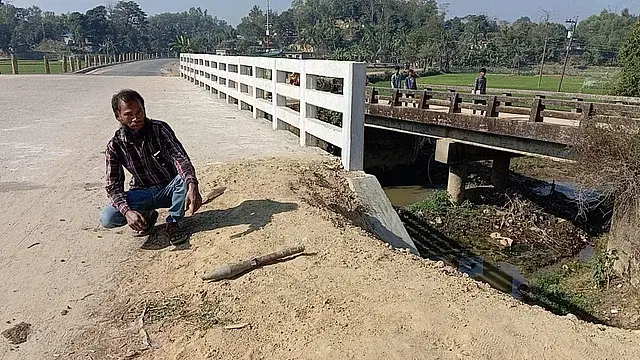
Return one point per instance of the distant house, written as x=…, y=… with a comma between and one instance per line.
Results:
x=225, y=52
x=68, y=39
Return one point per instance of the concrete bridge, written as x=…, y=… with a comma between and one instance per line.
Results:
x=470, y=127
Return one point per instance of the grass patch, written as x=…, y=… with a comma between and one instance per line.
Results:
x=210, y=314
x=437, y=202
x=28, y=67
x=576, y=286
x=555, y=291
x=573, y=84
x=165, y=309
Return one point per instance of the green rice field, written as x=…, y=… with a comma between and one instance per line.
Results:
x=30, y=67
x=572, y=84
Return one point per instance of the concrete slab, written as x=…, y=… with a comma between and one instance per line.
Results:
x=382, y=217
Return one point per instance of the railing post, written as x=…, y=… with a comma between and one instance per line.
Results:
x=395, y=98
x=353, y=118
x=274, y=98
x=507, y=103
x=86, y=60
x=587, y=109
x=372, y=96
x=254, y=90
x=65, y=64
x=424, y=100
x=454, y=108
x=72, y=62
x=238, y=87
x=47, y=67
x=306, y=82
x=537, y=109
x=492, y=104
x=578, y=108
x=14, y=65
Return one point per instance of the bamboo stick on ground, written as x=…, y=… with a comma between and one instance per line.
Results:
x=231, y=270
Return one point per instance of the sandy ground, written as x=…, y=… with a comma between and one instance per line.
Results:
x=53, y=132
x=87, y=293
x=348, y=297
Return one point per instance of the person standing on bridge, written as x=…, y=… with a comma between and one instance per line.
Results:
x=412, y=82
x=480, y=87
x=163, y=176
x=396, y=79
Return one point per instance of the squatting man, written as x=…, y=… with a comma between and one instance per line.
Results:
x=162, y=173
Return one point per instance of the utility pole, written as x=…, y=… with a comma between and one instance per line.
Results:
x=566, y=58
x=268, y=25
x=547, y=15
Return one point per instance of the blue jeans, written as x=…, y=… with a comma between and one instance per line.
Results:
x=144, y=201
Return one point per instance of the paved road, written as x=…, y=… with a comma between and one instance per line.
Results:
x=157, y=67
x=53, y=132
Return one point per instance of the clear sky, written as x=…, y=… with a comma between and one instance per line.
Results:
x=234, y=10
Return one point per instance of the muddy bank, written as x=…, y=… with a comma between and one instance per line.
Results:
x=349, y=289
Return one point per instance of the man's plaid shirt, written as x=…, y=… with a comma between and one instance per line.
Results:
x=154, y=156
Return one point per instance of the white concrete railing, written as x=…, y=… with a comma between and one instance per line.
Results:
x=260, y=84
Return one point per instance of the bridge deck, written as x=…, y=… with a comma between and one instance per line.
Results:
x=525, y=125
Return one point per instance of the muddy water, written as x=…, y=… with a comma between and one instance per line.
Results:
x=407, y=195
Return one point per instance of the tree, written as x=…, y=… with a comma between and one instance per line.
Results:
x=628, y=83
x=7, y=23
x=129, y=25
x=76, y=25
x=97, y=27
x=602, y=35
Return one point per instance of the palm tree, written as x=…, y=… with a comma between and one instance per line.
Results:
x=182, y=44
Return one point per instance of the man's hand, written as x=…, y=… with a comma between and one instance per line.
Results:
x=194, y=199
x=135, y=220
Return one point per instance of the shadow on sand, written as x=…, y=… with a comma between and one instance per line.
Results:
x=255, y=213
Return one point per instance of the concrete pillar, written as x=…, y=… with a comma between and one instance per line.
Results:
x=72, y=62
x=456, y=183
x=307, y=81
x=14, y=64
x=65, y=65
x=47, y=67
x=353, y=118
x=274, y=95
x=87, y=63
x=254, y=93
x=500, y=172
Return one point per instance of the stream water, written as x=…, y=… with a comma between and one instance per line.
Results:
x=500, y=275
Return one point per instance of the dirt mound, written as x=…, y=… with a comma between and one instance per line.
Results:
x=349, y=296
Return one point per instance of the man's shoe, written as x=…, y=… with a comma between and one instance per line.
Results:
x=151, y=222
x=176, y=235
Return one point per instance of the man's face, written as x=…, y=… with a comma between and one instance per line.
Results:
x=132, y=115
x=482, y=74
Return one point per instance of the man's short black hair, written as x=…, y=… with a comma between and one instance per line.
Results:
x=483, y=70
x=397, y=68
x=126, y=96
